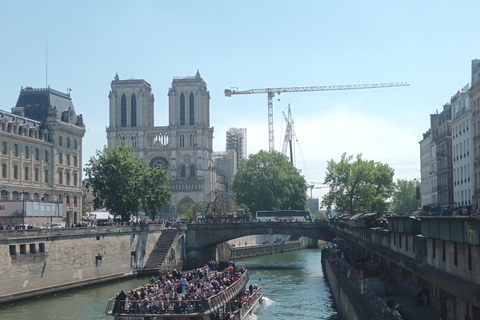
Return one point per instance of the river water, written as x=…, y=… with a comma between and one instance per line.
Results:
x=292, y=284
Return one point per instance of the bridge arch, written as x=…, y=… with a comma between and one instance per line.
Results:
x=202, y=239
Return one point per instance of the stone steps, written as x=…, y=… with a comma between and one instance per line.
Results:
x=160, y=250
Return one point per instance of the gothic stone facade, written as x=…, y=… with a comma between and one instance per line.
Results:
x=184, y=147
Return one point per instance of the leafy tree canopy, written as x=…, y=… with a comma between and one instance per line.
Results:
x=268, y=181
x=404, y=199
x=357, y=185
x=124, y=184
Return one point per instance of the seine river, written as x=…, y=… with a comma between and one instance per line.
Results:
x=292, y=284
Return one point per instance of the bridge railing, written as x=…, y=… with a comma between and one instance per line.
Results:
x=252, y=299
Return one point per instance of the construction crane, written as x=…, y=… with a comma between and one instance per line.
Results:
x=312, y=186
x=287, y=141
x=272, y=91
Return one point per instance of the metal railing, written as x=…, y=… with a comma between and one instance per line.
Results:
x=172, y=307
x=347, y=276
x=252, y=299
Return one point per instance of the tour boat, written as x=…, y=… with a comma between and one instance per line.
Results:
x=236, y=301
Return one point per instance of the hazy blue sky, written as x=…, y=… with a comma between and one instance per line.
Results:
x=256, y=44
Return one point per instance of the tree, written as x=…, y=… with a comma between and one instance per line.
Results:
x=358, y=185
x=404, y=199
x=268, y=181
x=123, y=183
x=190, y=210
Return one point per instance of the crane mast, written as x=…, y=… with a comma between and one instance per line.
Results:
x=272, y=91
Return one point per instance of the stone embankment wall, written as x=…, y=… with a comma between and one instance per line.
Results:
x=227, y=252
x=39, y=261
x=348, y=305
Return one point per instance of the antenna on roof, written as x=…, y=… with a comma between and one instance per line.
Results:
x=46, y=64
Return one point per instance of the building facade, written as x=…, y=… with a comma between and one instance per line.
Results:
x=41, y=158
x=428, y=194
x=475, y=104
x=184, y=147
x=462, y=146
x=237, y=141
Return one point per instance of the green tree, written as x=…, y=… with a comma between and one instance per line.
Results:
x=190, y=210
x=268, y=181
x=123, y=183
x=404, y=199
x=358, y=185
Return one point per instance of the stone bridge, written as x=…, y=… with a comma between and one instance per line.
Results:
x=201, y=239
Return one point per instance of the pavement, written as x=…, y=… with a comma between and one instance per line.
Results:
x=411, y=310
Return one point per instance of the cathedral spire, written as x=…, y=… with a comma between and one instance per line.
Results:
x=116, y=77
x=197, y=75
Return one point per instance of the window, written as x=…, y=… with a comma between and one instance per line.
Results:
x=75, y=160
x=23, y=249
x=182, y=171
x=75, y=179
x=68, y=159
x=32, y=248
x=36, y=197
x=41, y=247
x=67, y=176
x=192, y=110
x=26, y=173
x=37, y=154
x=433, y=248
x=60, y=141
x=15, y=172
x=36, y=174
x=13, y=250
x=46, y=176
x=4, y=147
x=133, y=111
x=27, y=152
x=4, y=170
x=444, y=256
x=46, y=155
x=123, y=112
x=68, y=200
x=15, y=150
x=15, y=195
x=60, y=158
x=182, y=109
x=4, y=195
x=75, y=201
x=75, y=145
x=60, y=177
x=68, y=142
x=192, y=171
x=469, y=253
x=455, y=253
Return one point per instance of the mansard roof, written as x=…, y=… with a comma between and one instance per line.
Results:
x=36, y=102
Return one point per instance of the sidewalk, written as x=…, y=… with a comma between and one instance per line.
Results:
x=411, y=310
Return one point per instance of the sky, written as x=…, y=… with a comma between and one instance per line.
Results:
x=251, y=45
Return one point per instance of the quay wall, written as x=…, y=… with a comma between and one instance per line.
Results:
x=348, y=305
x=40, y=261
x=227, y=252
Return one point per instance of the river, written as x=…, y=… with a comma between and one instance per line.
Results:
x=292, y=284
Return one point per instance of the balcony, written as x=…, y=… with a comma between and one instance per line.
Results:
x=441, y=153
x=186, y=185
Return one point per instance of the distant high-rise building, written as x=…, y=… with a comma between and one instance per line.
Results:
x=237, y=141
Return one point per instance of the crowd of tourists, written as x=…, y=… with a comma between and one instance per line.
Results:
x=179, y=292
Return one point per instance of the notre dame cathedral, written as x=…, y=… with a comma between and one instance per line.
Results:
x=184, y=147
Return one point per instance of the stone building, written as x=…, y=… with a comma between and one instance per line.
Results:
x=41, y=159
x=184, y=147
x=475, y=105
